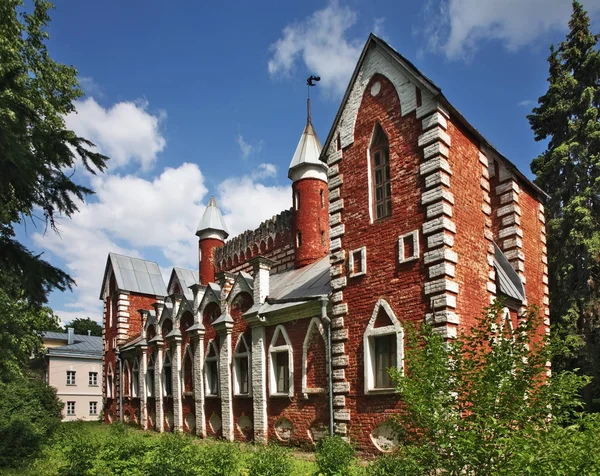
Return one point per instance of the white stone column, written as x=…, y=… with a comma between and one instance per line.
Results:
x=259, y=384
x=198, y=339
x=176, y=379
x=142, y=387
x=226, y=383
x=159, y=420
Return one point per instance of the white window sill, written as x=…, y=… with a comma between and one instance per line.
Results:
x=242, y=395
x=381, y=391
x=212, y=395
x=356, y=275
x=281, y=395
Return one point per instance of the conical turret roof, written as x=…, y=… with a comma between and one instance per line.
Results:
x=212, y=220
x=308, y=150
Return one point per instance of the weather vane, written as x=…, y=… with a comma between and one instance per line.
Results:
x=310, y=81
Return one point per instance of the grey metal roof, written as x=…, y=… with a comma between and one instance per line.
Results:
x=83, y=344
x=507, y=279
x=186, y=278
x=135, y=275
x=212, y=219
x=308, y=149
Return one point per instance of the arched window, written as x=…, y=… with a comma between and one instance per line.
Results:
x=211, y=370
x=281, y=373
x=314, y=359
x=135, y=379
x=109, y=382
x=296, y=200
x=381, y=188
x=150, y=376
x=167, y=327
x=167, y=376
x=241, y=367
x=188, y=371
x=126, y=379
x=383, y=347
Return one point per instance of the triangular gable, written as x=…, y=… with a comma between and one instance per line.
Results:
x=243, y=283
x=180, y=281
x=378, y=57
x=133, y=275
x=211, y=294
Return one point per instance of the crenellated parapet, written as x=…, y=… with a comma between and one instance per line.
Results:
x=271, y=235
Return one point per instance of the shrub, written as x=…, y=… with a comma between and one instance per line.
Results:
x=272, y=460
x=173, y=455
x=29, y=414
x=123, y=451
x=80, y=449
x=221, y=459
x=334, y=456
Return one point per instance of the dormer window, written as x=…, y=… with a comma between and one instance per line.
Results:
x=380, y=174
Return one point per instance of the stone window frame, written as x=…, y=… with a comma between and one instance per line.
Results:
x=92, y=379
x=186, y=352
x=126, y=379
x=135, y=378
x=207, y=359
x=273, y=351
x=314, y=322
x=369, y=347
x=150, y=375
x=167, y=364
x=363, y=262
x=236, y=366
x=71, y=378
x=93, y=408
x=416, y=249
x=110, y=382
x=375, y=147
x=70, y=408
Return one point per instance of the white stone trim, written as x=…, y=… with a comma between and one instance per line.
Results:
x=274, y=349
x=369, y=349
x=186, y=352
x=236, y=366
x=167, y=362
x=363, y=262
x=416, y=248
x=207, y=358
x=315, y=323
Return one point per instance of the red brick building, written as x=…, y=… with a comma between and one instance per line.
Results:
x=286, y=332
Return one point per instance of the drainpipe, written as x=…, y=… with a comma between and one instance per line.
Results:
x=323, y=299
x=118, y=355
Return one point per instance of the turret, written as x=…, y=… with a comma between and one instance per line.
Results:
x=310, y=201
x=211, y=233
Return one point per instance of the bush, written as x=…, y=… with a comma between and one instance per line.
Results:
x=271, y=460
x=174, y=454
x=123, y=451
x=29, y=413
x=334, y=456
x=80, y=449
x=221, y=459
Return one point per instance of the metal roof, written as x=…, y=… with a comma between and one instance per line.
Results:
x=186, y=278
x=212, y=219
x=507, y=279
x=135, y=275
x=83, y=344
x=308, y=149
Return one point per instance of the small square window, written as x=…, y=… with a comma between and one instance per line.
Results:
x=70, y=377
x=93, y=408
x=408, y=247
x=93, y=379
x=70, y=408
x=357, y=262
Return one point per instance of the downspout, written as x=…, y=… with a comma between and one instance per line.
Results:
x=118, y=355
x=324, y=300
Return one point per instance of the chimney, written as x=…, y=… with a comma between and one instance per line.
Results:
x=70, y=335
x=89, y=332
x=262, y=269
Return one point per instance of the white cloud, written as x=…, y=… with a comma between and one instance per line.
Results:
x=245, y=147
x=526, y=103
x=322, y=43
x=126, y=132
x=458, y=27
x=138, y=217
x=89, y=86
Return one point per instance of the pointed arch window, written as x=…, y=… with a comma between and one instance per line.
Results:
x=310, y=358
x=381, y=188
x=383, y=347
x=211, y=370
x=150, y=376
x=241, y=367
x=188, y=371
x=135, y=379
x=126, y=379
x=167, y=376
x=109, y=382
x=281, y=365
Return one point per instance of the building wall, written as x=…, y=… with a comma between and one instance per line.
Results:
x=81, y=393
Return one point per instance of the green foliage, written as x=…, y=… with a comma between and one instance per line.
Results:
x=29, y=414
x=80, y=448
x=123, y=452
x=271, y=460
x=567, y=116
x=173, y=455
x=473, y=403
x=81, y=326
x=334, y=456
x=221, y=459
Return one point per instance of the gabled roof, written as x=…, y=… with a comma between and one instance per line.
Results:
x=212, y=219
x=308, y=149
x=186, y=278
x=83, y=345
x=414, y=73
x=507, y=279
x=134, y=275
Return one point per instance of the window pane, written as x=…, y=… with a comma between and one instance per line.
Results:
x=243, y=374
x=378, y=193
x=282, y=369
x=377, y=158
x=385, y=358
x=378, y=177
x=386, y=156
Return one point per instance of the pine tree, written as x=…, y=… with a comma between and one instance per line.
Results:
x=569, y=171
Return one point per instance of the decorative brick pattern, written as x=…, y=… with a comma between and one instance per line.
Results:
x=488, y=233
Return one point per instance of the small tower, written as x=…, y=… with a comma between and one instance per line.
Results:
x=211, y=233
x=310, y=201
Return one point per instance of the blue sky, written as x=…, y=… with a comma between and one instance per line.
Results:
x=192, y=99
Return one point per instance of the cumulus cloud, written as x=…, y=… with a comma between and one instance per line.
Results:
x=526, y=103
x=458, y=27
x=322, y=42
x=126, y=131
